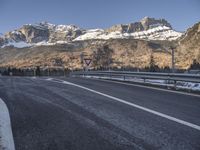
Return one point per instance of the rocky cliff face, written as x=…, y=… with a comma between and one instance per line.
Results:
x=28, y=33
x=2, y=41
x=16, y=36
x=135, y=27
x=149, y=23
x=44, y=32
x=64, y=33
x=34, y=33
x=126, y=28
x=145, y=24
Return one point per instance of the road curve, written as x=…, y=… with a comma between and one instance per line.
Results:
x=49, y=115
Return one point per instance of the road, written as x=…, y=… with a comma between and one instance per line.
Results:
x=49, y=114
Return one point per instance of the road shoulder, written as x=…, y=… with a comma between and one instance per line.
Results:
x=6, y=136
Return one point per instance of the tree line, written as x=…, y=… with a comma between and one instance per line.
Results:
x=34, y=71
x=101, y=60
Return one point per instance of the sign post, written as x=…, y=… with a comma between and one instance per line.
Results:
x=173, y=60
x=87, y=62
x=82, y=63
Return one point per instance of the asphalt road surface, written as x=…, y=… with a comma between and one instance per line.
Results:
x=49, y=114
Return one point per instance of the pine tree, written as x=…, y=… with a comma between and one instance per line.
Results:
x=195, y=65
x=38, y=71
x=153, y=67
x=102, y=57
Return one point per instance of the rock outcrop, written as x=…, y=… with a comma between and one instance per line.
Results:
x=35, y=33
x=16, y=36
x=189, y=47
x=2, y=41
x=145, y=24
x=149, y=23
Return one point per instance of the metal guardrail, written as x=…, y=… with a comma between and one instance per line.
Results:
x=142, y=75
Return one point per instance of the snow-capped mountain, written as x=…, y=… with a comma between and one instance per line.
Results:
x=132, y=44
x=146, y=29
x=45, y=33
x=157, y=33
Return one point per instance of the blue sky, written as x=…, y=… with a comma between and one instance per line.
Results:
x=97, y=13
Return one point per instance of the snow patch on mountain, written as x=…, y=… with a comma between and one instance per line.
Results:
x=90, y=34
x=16, y=32
x=43, y=43
x=20, y=44
x=65, y=28
x=157, y=33
x=59, y=28
x=46, y=43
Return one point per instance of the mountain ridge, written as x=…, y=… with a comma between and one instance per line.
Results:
x=128, y=51
x=48, y=34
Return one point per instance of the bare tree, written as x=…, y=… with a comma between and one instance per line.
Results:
x=102, y=57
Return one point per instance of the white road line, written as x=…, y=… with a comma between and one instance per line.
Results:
x=133, y=105
x=6, y=136
x=148, y=87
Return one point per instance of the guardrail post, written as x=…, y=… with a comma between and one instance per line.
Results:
x=124, y=77
x=168, y=80
x=175, y=84
x=84, y=74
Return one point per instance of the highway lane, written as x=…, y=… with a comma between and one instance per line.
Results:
x=51, y=115
x=182, y=106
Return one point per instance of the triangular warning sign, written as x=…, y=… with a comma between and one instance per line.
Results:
x=87, y=61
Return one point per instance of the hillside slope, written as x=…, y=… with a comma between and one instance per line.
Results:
x=189, y=47
x=127, y=52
